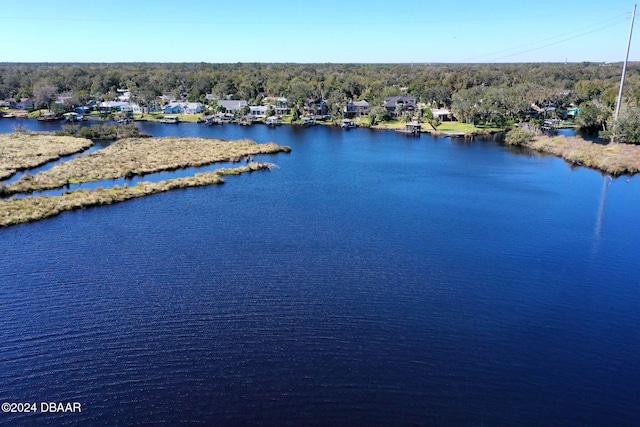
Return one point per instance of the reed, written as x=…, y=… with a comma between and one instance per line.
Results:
x=141, y=156
x=17, y=211
x=614, y=158
x=22, y=151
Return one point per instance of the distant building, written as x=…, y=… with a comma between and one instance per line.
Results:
x=441, y=113
x=123, y=95
x=111, y=106
x=258, y=110
x=280, y=105
x=24, y=104
x=356, y=109
x=63, y=99
x=391, y=103
x=182, y=108
x=232, y=106
x=317, y=107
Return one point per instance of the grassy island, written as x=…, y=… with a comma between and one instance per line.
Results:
x=17, y=211
x=141, y=156
x=22, y=151
x=124, y=158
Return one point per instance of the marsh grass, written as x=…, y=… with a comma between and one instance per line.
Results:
x=141, y=156
x=615, y=159
x=17, y=211
x=22, y=151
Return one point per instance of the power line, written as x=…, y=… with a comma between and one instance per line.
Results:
x=582, y=34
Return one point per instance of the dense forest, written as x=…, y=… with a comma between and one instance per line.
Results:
x=480, y=93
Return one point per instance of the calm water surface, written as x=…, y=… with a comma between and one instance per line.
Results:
x=373, y=279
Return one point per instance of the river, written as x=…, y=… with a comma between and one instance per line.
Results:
x=373, y=279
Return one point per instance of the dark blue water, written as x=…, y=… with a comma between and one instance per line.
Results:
x=373, y=279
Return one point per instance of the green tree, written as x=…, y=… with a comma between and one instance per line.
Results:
x=427, y=115
x=380, y=113
x=593, y=117
x=627, y=128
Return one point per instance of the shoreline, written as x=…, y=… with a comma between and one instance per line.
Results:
x=615, y=159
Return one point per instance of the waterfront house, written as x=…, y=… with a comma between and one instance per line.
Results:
x=356, y=109
x=24, y=104
x=258, y=110
x=317, y=107
x=111, y=106
x=182, y=108
x=407, y=103
x=173, y=108
x=194, y=107
x=441, y=113
x=232, y=106
x=280, y=105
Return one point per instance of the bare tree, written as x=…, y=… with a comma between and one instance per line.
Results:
x=44, y=95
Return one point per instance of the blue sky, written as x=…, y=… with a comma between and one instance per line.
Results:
x=319, y=31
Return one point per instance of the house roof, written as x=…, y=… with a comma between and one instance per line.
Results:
x=391, y=101
x=114, y=104
x=274, y=99
x=440, y=112
x=232, y=104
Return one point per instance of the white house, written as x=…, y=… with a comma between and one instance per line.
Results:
x=232, y=105
x=280, y=104
x=114, y=106
x=193, y=108
x=258, y=110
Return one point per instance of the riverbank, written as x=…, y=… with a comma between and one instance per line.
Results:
x=447, y=128
x=140, y=156
x=21, y=151
x=614, y=158
x=18, y=211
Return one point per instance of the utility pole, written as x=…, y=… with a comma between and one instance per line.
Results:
x=624, y=67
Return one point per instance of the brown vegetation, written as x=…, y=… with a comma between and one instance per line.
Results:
x=17, y=211
x=24, y=151
x=140, y=156
x=615, y=159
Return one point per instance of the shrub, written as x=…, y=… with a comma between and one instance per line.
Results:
x=518, y=136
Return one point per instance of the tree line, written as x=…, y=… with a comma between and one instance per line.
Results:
x=500, y=94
